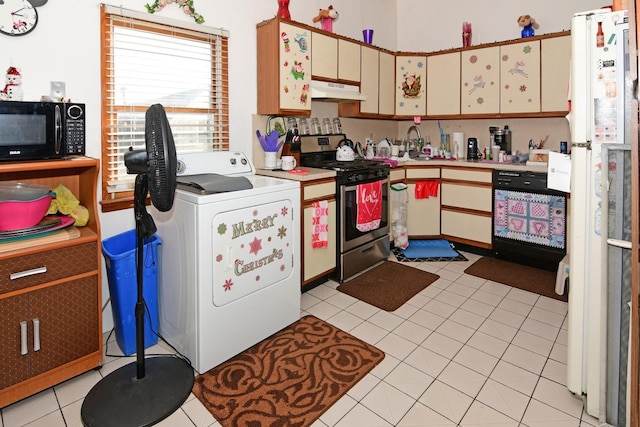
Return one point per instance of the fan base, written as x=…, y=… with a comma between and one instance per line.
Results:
x=120, y=399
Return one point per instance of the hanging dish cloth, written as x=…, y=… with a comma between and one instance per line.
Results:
x=426, y=189
x=369, y=206
x=320, y=224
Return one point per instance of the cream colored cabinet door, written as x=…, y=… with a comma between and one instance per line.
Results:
x=555, y=64
x=411, y=80
x=443, y=84
x=348, y=60
x=318, y=261
x=295, y=68
x=520, y=77
x=480, y=81
x=386, y=86
x=324, y=56
x=423, y=214
x=369, y=79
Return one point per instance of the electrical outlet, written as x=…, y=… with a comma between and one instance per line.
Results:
x=57, y=90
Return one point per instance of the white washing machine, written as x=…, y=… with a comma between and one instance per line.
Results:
x=229, y=273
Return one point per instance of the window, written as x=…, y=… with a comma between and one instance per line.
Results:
x=148, y=60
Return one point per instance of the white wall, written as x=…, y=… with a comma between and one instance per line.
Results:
x=430, y=26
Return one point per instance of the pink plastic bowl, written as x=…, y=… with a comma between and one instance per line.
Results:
x=17, y=214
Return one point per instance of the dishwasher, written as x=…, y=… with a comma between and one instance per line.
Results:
x=529, y=220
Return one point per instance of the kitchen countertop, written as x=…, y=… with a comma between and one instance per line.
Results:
x=473, y=164
x=315, y=174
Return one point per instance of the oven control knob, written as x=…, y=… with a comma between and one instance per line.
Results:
x=233, y=161
x=243, y=161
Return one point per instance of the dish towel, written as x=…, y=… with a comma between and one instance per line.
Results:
x=320, y=224
x=369, y=206
x=426, y=189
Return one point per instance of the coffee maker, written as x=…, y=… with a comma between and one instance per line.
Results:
x=473, y=152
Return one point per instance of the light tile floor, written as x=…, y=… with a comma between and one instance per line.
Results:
x=463, y=352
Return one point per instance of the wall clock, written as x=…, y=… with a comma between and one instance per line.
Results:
x=17, y=17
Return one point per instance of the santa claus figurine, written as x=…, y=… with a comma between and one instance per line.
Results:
x=13, y=89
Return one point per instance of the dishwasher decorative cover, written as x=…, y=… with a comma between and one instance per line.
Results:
x=530, y=217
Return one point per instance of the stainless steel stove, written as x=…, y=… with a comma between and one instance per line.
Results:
x=360, y=246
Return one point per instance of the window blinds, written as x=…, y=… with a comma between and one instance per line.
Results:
x=145, y=63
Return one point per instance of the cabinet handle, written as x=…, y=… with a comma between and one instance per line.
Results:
x=21, y=274
x=36, y=334
x=23, y=338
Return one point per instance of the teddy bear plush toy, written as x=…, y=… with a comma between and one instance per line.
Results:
x=326, y=18
x=528, y=24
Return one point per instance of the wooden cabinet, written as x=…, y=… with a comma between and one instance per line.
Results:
x=50, y=302
x=369, y=80
x=318, y=262
x=348, y=61
x=480, y=81
x=377, y=72
x=520, y=77
x=465, y=200
x=423, y=214
x=284, y=68
x=555, y=59
x=324, y=56
x=410, y=85
x=386, y=88
x=443, y=84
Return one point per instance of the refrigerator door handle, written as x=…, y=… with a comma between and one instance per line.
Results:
x=586, y=145
x=624, y=244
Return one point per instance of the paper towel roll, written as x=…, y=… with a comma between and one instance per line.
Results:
x=458, y=145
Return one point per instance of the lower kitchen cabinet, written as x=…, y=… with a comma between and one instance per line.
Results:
x=50, y=290
x=423, y=214
x=466, y=211
x=318, y=263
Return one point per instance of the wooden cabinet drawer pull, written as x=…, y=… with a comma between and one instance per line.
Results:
x=23, y=338
x=36, y=334
x=34, y=271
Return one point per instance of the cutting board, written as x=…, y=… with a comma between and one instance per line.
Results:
x=56, y=236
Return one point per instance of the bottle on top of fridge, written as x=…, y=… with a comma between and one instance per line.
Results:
x=507, y=139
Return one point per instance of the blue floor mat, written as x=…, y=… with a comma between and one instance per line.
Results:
x=429, y=250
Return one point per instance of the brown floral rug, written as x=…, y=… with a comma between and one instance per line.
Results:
x=288, y=379
x=389, y=285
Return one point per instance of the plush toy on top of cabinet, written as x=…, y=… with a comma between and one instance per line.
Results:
x=326, y=18
x=528, y=24
x=13, y=89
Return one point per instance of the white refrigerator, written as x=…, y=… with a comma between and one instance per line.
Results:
x=596, y=120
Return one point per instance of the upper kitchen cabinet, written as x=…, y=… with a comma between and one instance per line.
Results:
x=324, y=56
x=443, y=84
x=410, y=85
x=283, y=68
x=386, y=89
x=555, y=70
x=348, y=61
x=377, y=71
x=335, y=59
x=480, y=81
x=520, y=77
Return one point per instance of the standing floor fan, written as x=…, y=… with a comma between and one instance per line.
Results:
x=146, y=391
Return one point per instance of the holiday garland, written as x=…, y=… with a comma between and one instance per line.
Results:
x=185, y=5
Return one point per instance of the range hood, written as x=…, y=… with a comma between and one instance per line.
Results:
x=335, y=92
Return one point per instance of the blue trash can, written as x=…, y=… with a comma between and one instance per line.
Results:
x=120, y=258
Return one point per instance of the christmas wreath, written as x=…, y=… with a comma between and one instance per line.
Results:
x=185, y=5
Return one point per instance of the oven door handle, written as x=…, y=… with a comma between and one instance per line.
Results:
x=346, y=188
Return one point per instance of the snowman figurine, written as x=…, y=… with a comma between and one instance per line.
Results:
x=13, y=89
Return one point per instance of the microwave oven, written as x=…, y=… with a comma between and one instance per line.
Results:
x=41, y=130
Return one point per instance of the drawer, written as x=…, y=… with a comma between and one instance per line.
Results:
x=423, y=173
x=466, y=196
x=466, y=226
x=316, y=191
x=43, y=267
x=460, y=174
